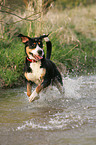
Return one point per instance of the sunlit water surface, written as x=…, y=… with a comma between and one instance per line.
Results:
x=53, y=119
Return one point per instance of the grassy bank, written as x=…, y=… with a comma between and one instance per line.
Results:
x=73, y=35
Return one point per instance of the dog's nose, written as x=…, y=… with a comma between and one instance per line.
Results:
x=40, y=52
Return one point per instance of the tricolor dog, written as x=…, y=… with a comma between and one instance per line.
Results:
x=38, y=69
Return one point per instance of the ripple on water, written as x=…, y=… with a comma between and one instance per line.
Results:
x=57, y=121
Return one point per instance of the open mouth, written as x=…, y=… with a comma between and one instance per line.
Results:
x=37, y=57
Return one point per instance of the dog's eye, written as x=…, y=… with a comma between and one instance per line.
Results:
x=40, y=44
x=34, y=44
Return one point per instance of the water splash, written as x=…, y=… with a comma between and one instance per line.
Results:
x=72, y=87
x=73, y=114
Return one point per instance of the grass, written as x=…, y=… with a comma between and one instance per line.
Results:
x=72, y=32
x=12, y=60
x=78, y=57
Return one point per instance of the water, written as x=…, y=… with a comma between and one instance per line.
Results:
x=53, y=119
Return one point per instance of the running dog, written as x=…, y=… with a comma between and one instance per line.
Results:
x=38, y=69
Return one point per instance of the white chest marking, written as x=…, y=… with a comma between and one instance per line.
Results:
x=37, y=72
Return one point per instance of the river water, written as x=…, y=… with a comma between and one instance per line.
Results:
x=53, y=119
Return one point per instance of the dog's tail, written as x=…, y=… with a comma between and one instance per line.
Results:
x=49, y=46
x=49, y=49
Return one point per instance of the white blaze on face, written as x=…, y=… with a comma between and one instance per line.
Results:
x=35, y=51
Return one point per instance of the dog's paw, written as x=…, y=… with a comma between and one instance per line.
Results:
x=46, y=39
x=33, y=99
x=34, y=96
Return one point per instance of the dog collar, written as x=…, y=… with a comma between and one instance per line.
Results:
x=31, y=60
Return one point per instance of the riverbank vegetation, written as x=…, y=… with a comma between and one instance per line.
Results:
x=71, y=28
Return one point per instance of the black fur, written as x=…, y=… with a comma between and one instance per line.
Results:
x=52, y=72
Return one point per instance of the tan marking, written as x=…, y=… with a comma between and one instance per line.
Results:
x=43, y=74
x=26, y=76
x=39, y=88
x=28, y=50
x=28, y=89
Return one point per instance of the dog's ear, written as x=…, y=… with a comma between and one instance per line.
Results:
x=24, y=38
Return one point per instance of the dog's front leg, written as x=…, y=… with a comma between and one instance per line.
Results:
x=35, y=93
x=29, y=87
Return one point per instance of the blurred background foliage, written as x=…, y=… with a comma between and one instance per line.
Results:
x=47, y=3
x=73, y=3
x=71, y=26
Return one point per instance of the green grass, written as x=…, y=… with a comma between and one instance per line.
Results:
x=77, y=57
x=11, y=62
x=72, y=33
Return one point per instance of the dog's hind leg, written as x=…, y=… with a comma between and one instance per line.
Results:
x=59, y=86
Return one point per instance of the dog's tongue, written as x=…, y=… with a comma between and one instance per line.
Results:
x=39, y=57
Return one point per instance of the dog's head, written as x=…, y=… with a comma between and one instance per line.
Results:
x=33, y=46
